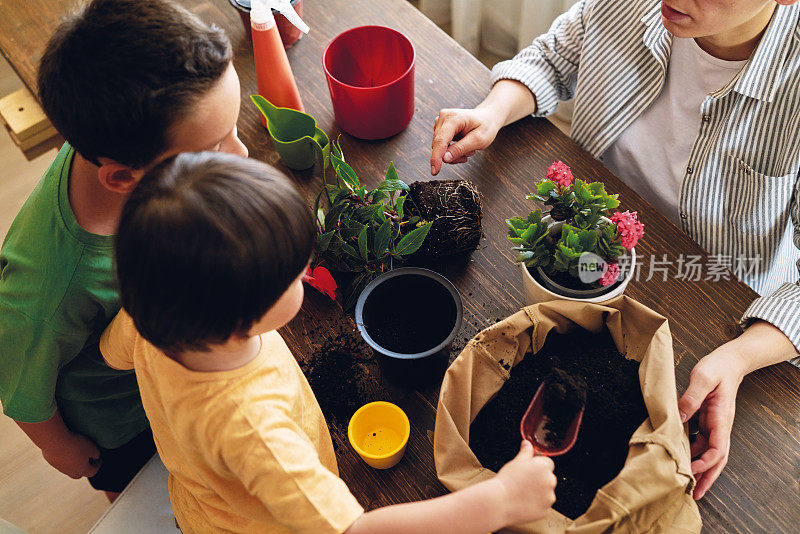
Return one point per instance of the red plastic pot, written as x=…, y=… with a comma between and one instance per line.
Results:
x=289, y=34
x=370, y=72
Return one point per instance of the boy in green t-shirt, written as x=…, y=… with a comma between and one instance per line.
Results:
x=128, y=83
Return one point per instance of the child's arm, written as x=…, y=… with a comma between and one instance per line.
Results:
x=117, y=342
x=72, y=454
x=522, y=491
x=32, y=356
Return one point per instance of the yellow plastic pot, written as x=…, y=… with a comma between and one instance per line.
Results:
x=379, y=432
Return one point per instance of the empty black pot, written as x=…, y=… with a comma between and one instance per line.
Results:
x=410, y=317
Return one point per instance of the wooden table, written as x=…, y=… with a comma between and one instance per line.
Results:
x=759, y=489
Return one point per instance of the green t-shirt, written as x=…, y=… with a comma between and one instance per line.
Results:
x=58, y=292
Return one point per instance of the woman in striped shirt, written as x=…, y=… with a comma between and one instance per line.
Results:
x=694, y=104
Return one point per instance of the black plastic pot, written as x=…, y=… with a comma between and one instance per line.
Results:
x=410, y=317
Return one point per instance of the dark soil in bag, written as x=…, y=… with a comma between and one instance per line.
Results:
x=614, y=410
x=563, y=397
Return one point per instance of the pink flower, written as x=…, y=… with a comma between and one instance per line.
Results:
x=611, y=275
x=629, y=228
x=560, y=173
x=321, y=280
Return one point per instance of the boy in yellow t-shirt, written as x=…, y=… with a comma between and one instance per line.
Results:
x=210, y=254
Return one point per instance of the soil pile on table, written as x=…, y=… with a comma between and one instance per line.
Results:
x=342, y=371
x=409, y=314
x=563, y=396
x=614, y=410
x=454, y=207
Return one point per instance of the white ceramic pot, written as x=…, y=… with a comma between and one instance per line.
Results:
x=535, y=292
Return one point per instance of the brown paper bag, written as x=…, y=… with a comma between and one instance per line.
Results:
x=653, y=491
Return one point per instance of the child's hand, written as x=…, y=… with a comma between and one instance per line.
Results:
x=529, y=485
x=75, y=456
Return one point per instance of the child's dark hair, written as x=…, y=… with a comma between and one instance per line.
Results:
x=207, y=243
x=118, y=74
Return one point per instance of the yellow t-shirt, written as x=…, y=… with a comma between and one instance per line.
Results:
x=248, y=449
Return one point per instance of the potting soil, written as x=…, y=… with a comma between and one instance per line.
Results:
x=563, y=397
x=409, y=314
x=454, y=207
x=614, y=410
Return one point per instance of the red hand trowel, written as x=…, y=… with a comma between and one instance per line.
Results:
x=532, y=428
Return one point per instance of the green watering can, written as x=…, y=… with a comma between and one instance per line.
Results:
x=295, y=135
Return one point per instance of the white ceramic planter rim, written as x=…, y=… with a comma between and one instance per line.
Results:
x=617, y=291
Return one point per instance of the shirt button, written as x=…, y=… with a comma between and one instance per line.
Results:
x=706, y=117
x=689, y=170
x=683, y=215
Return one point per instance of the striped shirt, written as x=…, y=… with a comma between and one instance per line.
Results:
x=738, y=195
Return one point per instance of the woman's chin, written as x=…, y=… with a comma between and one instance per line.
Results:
x=682, y=30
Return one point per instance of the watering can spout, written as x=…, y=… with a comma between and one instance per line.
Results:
x=295, y=135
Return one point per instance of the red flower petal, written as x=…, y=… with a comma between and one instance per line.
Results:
x=321, y=280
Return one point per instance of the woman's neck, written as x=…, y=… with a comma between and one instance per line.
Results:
x=234, y=353
x=739, y=43
x=96, y=208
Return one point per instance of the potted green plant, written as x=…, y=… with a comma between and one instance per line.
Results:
x=579, y=250
x=363, y=233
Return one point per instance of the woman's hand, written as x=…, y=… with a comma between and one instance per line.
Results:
x=475, y=129
x=712, y=392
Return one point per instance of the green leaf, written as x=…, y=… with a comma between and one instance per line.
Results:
x=355, y=288
x=378, y=196
x=348, y=175
x=362, y=242
x=320, y=215
x=332, y=218
x=351, y=229
x=382, y=238
x=534, y=217
x=393, y=185
x=350, y=251
x=545, y=188
x=588, y=240
x=366, y=213
x=401, y=200
x=528, y=233
x=336, y=149
x=516, y=225
x=411, y=242
x=324, y=241
x=391, y=172
x=395, y=231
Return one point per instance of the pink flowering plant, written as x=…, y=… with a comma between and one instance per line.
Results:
x=584, y=209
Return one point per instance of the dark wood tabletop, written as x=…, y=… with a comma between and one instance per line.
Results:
x=759, y=491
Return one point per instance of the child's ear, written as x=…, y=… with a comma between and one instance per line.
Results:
x=117, y=177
